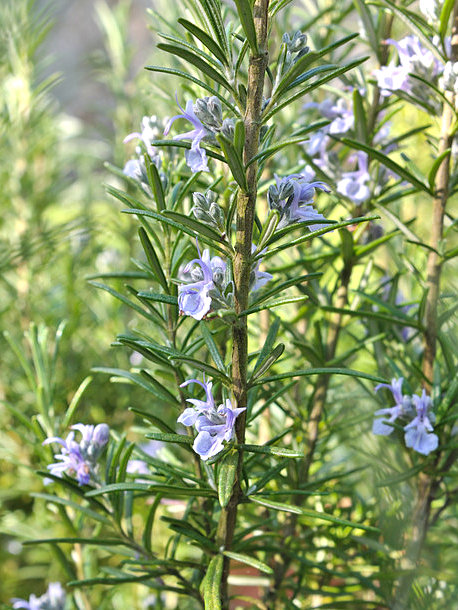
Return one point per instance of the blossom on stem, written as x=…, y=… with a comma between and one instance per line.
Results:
x=195, y=299
x=214, y=424
x=353, y=184
x=401, y=408
x=196, y=157
x=419, y=433
x=53, y=599
x=293, y=197
x=79, y=459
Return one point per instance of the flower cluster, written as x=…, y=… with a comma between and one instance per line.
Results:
x=53, y=599
x=80, y=459
x=151, y=129
x=214, y=424
x=211, y=287
x=418, y=433
x=206, y=116
x=414, y=58
x=293, y=197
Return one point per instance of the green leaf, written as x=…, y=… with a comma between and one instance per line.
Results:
x=274, y=451
x=360, y=117
x=196, y=81
x=268, y=343
x=195, y=225
x=303, y=62
x=132, y=378
x=268, y=229
x=318, y=232
x=444, y=17
x=321, y=371
x=158, y=298
x=268, y=362
x=233, y=160
x=153, y=259
x=246, y=19
x=227, y=473
x=271, y=150
x=296, y=281
x=155, y=182
x=387, y=162
x=184, y=44
x=368, y=25
x=181, y=439
x=198, y=62
x=211, y=584
x=169, y=491
x=96, y=540
x=176, y=225
x=205, y=39
x=271, y=110
x=250, y=561
x=206, y=368
x=75, y=402
x=211, y=345
x=124, y=300
x=272, y=304
x=435, y=167
x=92, y=514
x=297, y=510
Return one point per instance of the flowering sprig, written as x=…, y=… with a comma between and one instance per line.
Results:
x=293, y=197
x=206, y=116
x=414, y=58
x=53, y=599
x=418, y=433
x=80, y=459
x=210, y=288
x=214, y=424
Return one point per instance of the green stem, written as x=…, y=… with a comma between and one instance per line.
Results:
x=245, y=214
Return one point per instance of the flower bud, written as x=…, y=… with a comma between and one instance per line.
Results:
x=101, y=435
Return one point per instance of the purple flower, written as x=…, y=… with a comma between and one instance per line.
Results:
x=194, y=299
x=414, y=57
x=213, y=424
x=150, y=132
x=353, y=184
x=196, y=157
x=401, y=408
x=391, y=78
x=79, y=459
x=293, y=197
x=419, y=433
x=53, y=599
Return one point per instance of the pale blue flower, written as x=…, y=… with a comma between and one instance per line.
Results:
x=150, y=131
x=79, y=459
x=353, y=184
x=391, y=78
x=194, y=299
x=196, y=157
x=53, y=599
x=293, y=197
x=214, y=425
x=419, y=433
x=402, y=407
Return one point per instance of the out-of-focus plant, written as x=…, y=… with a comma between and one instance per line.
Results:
x=302, y=407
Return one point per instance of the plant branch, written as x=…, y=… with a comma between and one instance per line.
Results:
x=246, y=203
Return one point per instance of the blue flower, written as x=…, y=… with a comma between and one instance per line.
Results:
x=53, y=599
x=419, y=433
x=213, y=424
x=196, y=157
x=353, y=184
x=194, y=299
x=79, y=459
x=402, y=407
x=293, y=197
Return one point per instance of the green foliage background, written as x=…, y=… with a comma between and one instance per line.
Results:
x=58, y=227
